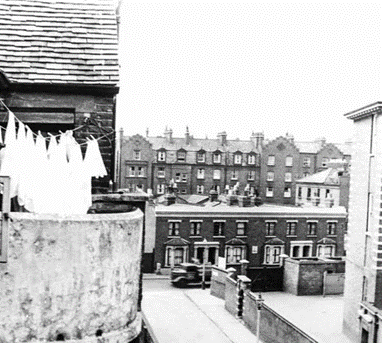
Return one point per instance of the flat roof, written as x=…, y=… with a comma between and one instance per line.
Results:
x=222, y=209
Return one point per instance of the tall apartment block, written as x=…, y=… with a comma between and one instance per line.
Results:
x=266, y=168
x=363, y=283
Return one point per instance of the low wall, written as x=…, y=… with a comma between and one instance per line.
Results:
x=230, y=296
x=73, y=278
x=306, y=276
x=218, y=280
x=334, y=283
x=273, y=327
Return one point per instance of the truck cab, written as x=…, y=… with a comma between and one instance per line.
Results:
x=189, y=274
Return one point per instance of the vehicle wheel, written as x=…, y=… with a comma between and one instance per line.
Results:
x=181, y=283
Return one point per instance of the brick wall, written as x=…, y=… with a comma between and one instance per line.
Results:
x=291, y=276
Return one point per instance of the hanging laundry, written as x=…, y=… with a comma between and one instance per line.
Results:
x=53, y=179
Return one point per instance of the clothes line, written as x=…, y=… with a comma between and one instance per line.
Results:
x=54, y=179
x=50, y=136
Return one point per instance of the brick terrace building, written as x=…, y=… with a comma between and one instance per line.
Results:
x=196, y=165
x=283, y=161
x=59, y=66
x=363, y=281
x=199, y=165
x=258, y=234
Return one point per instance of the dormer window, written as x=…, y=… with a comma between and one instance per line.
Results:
x=161, y=156
x=217, y=157
x=181, y=156
x=201, y=157
x=251, y=159
x=237, y=158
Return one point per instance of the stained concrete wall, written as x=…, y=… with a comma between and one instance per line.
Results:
x=273, y=327
x=73, y=277
x=230, y=296
x=218, y=280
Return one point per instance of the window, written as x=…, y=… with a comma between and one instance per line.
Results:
x=195, y=228
x=291, y=228
x=270, y=176
x=272, y=254
x=160, y=188
x=324, y=162
x=309, y=194
x=306, y=162
x=326, y=250
x=175, y=255
x=312, y=228
x=237, y=158
x=161, y=156
x=177, y=177
x=173, y=228
x=331, y=228
x=137, y=155
x=288, y=177
x=181, y=156
x=184, y=177
x=241, y=228
x=287, y=192
x=216, y=174
x=160, y=172
x=141, y=172
x=219, y=228
x=289, y=161
x=271, y=160
x=200, y=173
x=217, y=157
x=251, y=175
x=199, y=189
x=299, y=192
x=234, y=254
x=251, y=159
x=270, y=228
x=132, y=171
x=201, y=157
x=269, y=192
x=301, y=248
x=234, y=175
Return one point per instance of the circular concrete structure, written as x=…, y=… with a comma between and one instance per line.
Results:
x=72, y=278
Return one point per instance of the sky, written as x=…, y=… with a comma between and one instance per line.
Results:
x=248, y=67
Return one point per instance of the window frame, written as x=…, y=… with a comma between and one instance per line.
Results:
x=323, y=247
x=306, y=162
x=173, y=226
x=159, y=172
x=215, y=159
x=270, y=228
x=309, y=226
x=251, y=159
x=195, y=228
x=289, y=161
x=288, y=179
x=231, y=253
x=238, y=158
x=199, y=189
x=137, y=157
x=200, y=173
x=201, y=157
x=251, y=175
x=301, y=245
x=244, y=228
x=270, y=175
x=271, y=160
x=215, y=176
x=234, y=174
x=221, y=229
x=161, y=156
x=131, y=171
x=270, y=256
x=268, y=193
x=289, y=230
x=287, y=195
x=160, y=188
x=329, y=231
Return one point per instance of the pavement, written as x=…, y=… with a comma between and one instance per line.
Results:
x=194, y=315
x=191, y=315
x=320, y=317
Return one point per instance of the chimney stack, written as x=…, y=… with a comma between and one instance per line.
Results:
x=257, y=139
x=168, y=135
x=289, y=137
x=188, y=137
x=222, y=136
x=213, y=195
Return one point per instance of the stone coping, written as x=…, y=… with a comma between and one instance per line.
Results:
x=135, y=214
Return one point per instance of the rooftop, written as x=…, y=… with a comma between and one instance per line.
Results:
x=222, y=209
x=59, y=41
x=326, y=177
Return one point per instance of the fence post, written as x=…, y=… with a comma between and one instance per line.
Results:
x=324, y=284
x=242, y=284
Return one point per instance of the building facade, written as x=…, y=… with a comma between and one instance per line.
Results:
x=284, y=161
x=329, y=187
x=363, y=281
x=65, y=77
x=199, y=165
x=258, y=234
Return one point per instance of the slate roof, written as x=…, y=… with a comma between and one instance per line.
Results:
x=177, y=241
x=59, y=41
x=314, y=146
x=326, y=177
x=197, y=144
